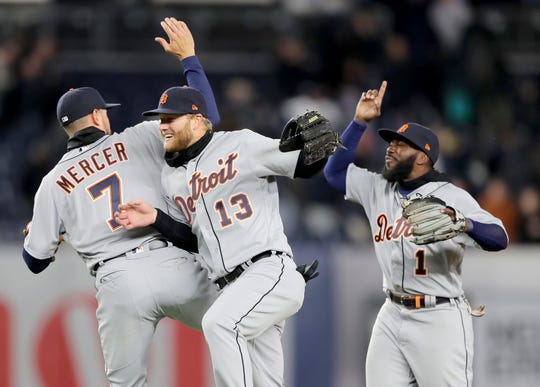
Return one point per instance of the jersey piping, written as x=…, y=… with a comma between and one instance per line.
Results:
x=253, y=307
x=210, y=220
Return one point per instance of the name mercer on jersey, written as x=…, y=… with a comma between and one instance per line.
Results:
x=203, y=184
x=87, y=166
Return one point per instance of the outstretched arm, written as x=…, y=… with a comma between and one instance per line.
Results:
x=335, y=170
x=368, y=107
x=182, y=45
x=139, y=213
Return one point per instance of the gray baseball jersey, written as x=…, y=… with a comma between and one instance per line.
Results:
x=430, y=346
x=148, y=279
x=230, y=198
x=229, y=195
x=80, y=194
x=428, y=269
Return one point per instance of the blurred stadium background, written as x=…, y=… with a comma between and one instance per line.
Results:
x=468, y=69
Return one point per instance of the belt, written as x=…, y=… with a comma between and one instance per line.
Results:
x=221, y=282
x=417, y=301
x=154, y=244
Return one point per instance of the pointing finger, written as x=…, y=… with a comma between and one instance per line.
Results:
x=382, y=90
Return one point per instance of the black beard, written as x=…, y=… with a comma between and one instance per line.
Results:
x=400, y=171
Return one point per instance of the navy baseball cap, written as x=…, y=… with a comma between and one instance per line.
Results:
x=180, y=100
x=77, y=103
x=417, y=135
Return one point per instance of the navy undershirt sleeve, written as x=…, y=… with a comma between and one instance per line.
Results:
x=491, y=237
x=177, y=232
x=196, y=78
x=335, y=170
x=35, y=265
x=304, y=170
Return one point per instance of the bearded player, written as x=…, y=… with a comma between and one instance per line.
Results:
x=423, y=334
x=223, y=185
x=140, y=278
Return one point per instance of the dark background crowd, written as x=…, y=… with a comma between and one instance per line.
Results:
x=467, y=69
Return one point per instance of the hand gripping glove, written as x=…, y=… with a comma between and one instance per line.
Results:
x=311, y=132
x=309, y=272
x=428, y=223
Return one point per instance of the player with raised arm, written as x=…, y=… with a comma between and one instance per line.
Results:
x=223, y=185
x=421, y=224
x=139, y=276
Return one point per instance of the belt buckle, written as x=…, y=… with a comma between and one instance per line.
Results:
x=409, y=302
x=223, y=281
x=226, y=279
x=412, y=302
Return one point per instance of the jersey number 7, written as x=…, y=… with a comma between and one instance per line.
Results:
x=111, y=184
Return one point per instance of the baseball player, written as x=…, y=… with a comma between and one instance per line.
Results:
x=139, y=276
x=423, y=334
x=223, y=185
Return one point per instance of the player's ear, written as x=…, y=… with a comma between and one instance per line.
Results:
x=197, y=120
x=95, y=118
x=422, y=158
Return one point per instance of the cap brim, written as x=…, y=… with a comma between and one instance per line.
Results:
x=155, y=112
x=388, y=135
x=111, y=105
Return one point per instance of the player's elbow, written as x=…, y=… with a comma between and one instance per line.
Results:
x=499, y=245
x=35, y=269
x=498, y=242
x=35, y=265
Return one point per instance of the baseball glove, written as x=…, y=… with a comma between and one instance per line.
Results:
x=428, y=221
x=311, y=132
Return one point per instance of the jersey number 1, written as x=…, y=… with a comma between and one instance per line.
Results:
x=112, y=184
x=421, y=269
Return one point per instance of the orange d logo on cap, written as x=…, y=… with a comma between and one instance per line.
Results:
x=403, y=128
x=178, y=100
x=163, y=99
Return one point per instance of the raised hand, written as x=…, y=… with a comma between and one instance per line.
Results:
x=181, y=43
x=369, y=105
